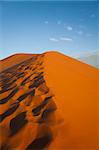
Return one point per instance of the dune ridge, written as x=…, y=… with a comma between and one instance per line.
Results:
x=48, y=101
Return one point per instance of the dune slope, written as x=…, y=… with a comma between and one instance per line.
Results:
x=13, y=60
x=75, y=87
x=48, y=101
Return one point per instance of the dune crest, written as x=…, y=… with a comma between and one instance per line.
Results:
x=48, y=101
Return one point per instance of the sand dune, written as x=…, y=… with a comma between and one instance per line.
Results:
x=48, y=101
x=92, y=59
x=13, y=60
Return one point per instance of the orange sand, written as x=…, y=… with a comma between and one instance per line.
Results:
x=75, y=87
x=72, y=110
x=14, y=59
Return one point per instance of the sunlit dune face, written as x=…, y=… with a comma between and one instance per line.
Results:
x=75, y=88
x=48, y=101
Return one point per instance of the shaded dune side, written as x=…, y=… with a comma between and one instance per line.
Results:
x=13, y=60
x=27, y=107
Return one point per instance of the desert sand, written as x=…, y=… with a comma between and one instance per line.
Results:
x=48, y=101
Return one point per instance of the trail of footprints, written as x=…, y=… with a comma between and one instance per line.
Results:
x=24, y=93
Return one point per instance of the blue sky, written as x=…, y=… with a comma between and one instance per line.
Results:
x=70, y=27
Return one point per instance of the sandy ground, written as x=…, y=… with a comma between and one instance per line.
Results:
x=48, y=101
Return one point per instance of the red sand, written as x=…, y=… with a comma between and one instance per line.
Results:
x=73, y=88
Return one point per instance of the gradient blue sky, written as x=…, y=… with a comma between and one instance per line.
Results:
x=70, y=27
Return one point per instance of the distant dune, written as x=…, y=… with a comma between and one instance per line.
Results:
x=48, y=101
x=92, y=59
